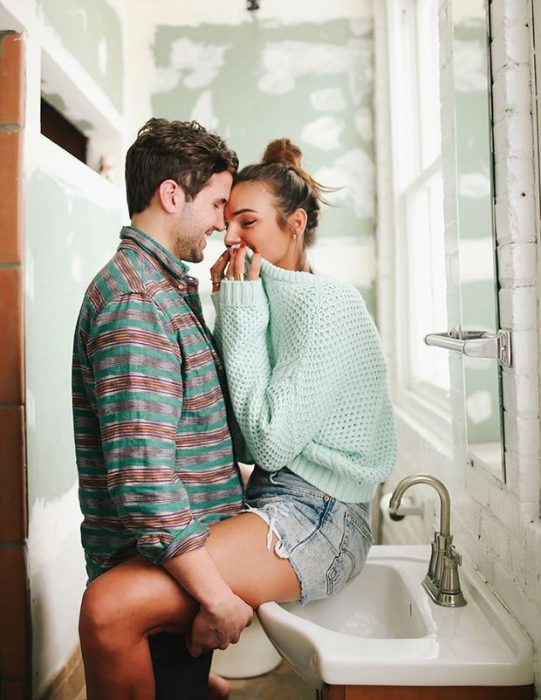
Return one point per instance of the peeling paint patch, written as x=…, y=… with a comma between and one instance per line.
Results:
x=323, y=133
x=328, y=113
x=76, y=26
x=191, y=63
x=57, y=580
x=283, y=63
x=349, y=258
x=203, y=111
x=328, y=100
x=84, y=125
x=67, y=234
x=364, y=123
x=353, y=174
x=56, y=101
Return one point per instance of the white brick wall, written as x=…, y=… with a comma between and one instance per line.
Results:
x=496, y=525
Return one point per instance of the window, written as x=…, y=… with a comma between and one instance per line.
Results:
x=423, y=374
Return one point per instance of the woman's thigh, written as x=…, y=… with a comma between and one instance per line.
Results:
x=248, y=561
x=150, y=600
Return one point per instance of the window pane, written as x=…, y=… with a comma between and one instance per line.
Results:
x=427, y=304
x=429, y=88
x=403, y=94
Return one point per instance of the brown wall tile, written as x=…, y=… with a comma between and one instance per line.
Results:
x=15, y=629
x=11, y=202
x=11, y=78
x=12, y=468
x=11, y=347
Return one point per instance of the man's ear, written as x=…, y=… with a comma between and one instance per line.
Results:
x=170, y=196
x=297, y=222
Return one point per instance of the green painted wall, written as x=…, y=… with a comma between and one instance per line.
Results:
x=91, y=30
x=68, y=239
x=253, y=82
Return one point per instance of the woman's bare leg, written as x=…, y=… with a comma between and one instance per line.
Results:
x=135, y=599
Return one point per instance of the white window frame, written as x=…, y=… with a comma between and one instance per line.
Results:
x=421, y=400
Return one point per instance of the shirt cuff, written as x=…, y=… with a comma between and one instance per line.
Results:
x=157, y=549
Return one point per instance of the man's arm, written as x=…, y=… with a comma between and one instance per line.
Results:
x=137, y=378
x=223, y=615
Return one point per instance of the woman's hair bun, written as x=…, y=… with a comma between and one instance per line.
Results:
x=283, y=151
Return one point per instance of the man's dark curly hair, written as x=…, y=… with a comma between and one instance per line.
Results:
x=172, y=150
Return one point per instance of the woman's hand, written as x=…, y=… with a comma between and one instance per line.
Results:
x=217, y=271
x=231, y=265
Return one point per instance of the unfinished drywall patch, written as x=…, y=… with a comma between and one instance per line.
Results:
x=311, y=82
x=92, y=32
x=69, y=237
x=57, y=582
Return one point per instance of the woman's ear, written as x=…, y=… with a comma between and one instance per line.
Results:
x=170, y=196
x=297, y=222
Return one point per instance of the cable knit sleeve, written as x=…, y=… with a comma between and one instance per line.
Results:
x=240, y=447
x=282, y=405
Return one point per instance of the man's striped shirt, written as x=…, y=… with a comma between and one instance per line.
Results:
x=153, y=446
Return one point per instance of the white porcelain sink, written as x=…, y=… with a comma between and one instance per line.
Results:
x=383, y=629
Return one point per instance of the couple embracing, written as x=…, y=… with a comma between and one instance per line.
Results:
x=292, y=380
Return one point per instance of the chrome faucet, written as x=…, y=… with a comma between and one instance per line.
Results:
x=442, y=582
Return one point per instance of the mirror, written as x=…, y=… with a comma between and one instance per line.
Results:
x=477, y=261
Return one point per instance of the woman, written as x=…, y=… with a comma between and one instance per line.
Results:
x=308, y=387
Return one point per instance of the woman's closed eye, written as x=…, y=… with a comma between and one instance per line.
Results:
x=247, y=224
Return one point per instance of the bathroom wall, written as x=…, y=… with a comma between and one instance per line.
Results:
x=201, y=60
x=280, y=71
x=71, y=219
x=497, y=525
x=72, y=222
x=97, y=57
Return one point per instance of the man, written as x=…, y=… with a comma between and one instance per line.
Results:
x=154, y=452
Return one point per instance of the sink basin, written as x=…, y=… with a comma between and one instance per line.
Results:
x=383, y=629
x=388, y=611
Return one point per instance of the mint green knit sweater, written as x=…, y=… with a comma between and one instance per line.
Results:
x=308, y=380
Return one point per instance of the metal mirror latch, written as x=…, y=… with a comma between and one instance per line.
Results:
x=475, y=344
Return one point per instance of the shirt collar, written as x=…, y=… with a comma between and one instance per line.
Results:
x=175, y=267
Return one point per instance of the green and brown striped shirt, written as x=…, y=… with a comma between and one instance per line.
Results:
x=153, y=447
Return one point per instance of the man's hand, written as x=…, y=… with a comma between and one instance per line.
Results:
x=222, y=615
x=218, y=626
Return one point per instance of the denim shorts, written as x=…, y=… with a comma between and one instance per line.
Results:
x=325, y=540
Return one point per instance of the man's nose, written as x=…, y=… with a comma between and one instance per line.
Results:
x=219, y=224
x=231, y=236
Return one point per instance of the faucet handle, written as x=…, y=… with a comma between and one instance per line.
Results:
x=454, y=555
x=450, y=583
